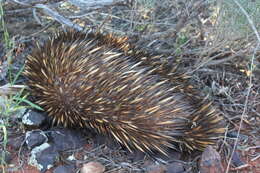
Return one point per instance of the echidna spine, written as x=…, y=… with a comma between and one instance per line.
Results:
x=92, y=81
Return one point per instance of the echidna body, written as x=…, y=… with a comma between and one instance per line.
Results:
x=100, y=82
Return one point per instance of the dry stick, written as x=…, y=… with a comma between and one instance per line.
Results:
x=215, y=62
x=132, y=16
x=37, y=19
x=250, y=79
x=11, y=89
x=94, y=3
x=65, y=21
x=21, y=3
x=58, y=17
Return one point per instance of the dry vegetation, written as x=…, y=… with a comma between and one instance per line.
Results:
x=216, y=42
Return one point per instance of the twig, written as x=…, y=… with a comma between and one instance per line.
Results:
x=253, y=147
x=11, y=89
x=43, y=29
x=22, y=3
x=36, y=17
x=221, y=61
x=94, y=3
x=250, y=81
x=58, y=17
x=255, y=158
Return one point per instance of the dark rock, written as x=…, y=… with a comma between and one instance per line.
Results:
x=43, y=157
x=175, y=167
x=33, y=119
x=65, y=169
x=35, y=138
x=211, y=161
x=236, y=160
x=6, y=156
x=136, y=156
x=66, y=139
x=99, y=139
x=17, y=115
x=16, y=142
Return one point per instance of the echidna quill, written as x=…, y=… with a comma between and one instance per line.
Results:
x=98, y=81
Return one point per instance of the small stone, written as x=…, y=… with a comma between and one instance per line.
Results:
x=236, y=160
x=35, y=138
x=66, y=139
x=92, y=167
x=33, y=119
x=16, y=142
x=18, y=114
x=43, y=157
x=71, y=158
x=211, y=161
x=64, y=169
x=156, y=169
x=175, y=167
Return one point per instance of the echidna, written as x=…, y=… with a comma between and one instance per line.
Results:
x=102, y=82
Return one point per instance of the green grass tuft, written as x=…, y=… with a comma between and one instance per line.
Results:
x=10, y=105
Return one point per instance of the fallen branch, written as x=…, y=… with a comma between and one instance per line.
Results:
x=59, y=18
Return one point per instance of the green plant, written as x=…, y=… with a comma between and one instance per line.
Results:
x=2, y=156
x=6, y=37
x=10, y=104
x=19, y=100
x=181, y=40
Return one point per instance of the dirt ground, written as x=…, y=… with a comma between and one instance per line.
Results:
x=193, y=34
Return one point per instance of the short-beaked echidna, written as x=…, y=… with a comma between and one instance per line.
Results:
x=101, y=82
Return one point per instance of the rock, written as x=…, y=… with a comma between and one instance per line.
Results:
x=71, y=158
x=35, y=138
x=92, y=167
x=66, y=139
x=101, y=139
x=156, y=169
x=43, y=157
x=65, y=169
x=236, y=160
x=175, y=167
x=33, y=119
x=136, y=156
x=16, y=142
x=17, y=115
x=211, y=161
